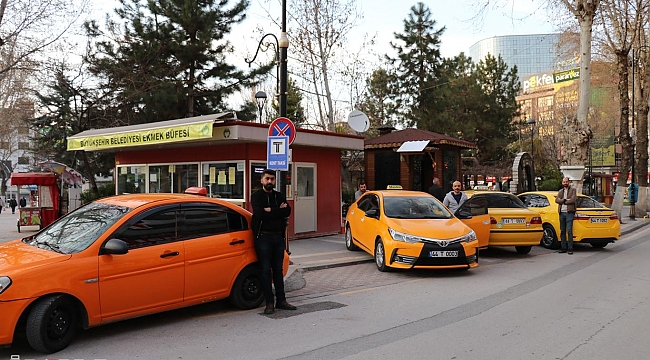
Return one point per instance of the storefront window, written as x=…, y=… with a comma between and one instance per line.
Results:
x=282, y=183
x=172, y=178
x=131, y=179
x=224, y=180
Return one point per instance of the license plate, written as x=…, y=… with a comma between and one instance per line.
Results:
x=443, y=253
x=508, y=221
x=598, y=220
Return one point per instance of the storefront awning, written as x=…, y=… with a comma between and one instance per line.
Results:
x=162, y=132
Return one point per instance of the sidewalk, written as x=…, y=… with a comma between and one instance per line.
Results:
x=329, y=251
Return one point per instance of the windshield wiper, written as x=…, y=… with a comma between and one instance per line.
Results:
x=54, y=248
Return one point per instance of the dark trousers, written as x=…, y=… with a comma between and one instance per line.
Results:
x=566, y=230
x=270, y=252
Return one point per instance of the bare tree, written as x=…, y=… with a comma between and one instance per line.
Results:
x=27, y=28
x=321, y=27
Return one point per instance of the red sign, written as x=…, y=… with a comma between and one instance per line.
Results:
x=283, y=127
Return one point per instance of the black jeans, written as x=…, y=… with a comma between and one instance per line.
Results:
x=270, y=252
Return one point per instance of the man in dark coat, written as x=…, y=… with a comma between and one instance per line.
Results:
x=270, y=211
x=436, y=190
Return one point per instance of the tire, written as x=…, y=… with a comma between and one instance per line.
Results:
x=349, y=243
x=380, y=256
x=52, y=324
x=599, y=245
x=247, y=291
x=523, y=249
x=549, y=239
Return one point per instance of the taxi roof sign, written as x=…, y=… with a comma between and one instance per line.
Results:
x=394, y=187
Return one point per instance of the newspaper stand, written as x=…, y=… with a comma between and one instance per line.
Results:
x=47, y=209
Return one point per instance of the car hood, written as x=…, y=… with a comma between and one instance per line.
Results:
x=16, y=255
x=430, y=228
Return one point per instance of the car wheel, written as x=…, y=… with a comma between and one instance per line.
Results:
x=549, y=239
x=247, y=291
x=349, y=244
x=523, y=249
x=380, y=256
x=599, y=245
x=51, y=324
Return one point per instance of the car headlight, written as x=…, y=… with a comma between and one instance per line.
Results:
x=471, y=236
x=5, y=283
x=398, y=236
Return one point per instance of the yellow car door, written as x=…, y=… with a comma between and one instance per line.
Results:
x=474, y=213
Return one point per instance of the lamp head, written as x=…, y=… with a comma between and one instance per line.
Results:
x=260, y=96
x=531, y=121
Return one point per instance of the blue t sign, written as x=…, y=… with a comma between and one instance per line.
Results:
x=277, y=153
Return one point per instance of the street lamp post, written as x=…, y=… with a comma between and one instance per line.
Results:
x=532, y=122
x=632, y=199
x=282, y=45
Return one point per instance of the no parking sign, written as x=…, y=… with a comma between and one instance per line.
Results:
x=283, y=127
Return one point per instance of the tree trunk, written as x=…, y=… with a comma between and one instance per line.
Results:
x=624, y=115
x=641, y=165
x=91, y=175
x=581, y=155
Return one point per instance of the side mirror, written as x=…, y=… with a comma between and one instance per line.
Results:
x=373, y=213
x=463, y=214
x=115, y=247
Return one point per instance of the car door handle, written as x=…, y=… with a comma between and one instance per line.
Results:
x=168, y=254
x=235, y=242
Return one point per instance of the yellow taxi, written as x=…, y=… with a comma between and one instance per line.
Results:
x=125, y=256
x=412, y=229
x=593, y=223
x=512, y=224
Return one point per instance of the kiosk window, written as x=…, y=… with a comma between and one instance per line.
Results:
x=131, y=179
x=172, y=178
x=224, y=180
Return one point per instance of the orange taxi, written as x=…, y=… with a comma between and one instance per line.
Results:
x=125, y=256
x=412, y=229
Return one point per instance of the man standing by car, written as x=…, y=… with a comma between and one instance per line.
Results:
x=455, y=198
x=566, y=200
x=436, y=190
x=361, y=191
x=270, y=210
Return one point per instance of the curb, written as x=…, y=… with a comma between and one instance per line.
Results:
x=639, y=224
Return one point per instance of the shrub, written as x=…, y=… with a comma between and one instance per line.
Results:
x=104, y=191
x=550, y=184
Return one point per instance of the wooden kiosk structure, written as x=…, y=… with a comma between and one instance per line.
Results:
x=411, y=158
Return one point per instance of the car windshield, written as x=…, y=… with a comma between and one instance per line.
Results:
x=78, y=229
x=415, y=207
x=504, y=200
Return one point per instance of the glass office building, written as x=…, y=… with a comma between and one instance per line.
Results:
x=532, y=54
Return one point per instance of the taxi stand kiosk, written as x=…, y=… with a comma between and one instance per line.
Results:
x=46, y=210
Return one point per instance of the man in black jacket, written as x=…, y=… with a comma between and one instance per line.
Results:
x=436, y=190
x=270, y=210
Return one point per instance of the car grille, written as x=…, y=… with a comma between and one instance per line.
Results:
x=425, y=260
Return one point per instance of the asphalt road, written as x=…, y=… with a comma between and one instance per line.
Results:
x=593, y=305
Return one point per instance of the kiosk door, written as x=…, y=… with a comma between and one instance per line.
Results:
x=304, y=212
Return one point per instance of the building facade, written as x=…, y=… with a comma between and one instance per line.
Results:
x=532, y=54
